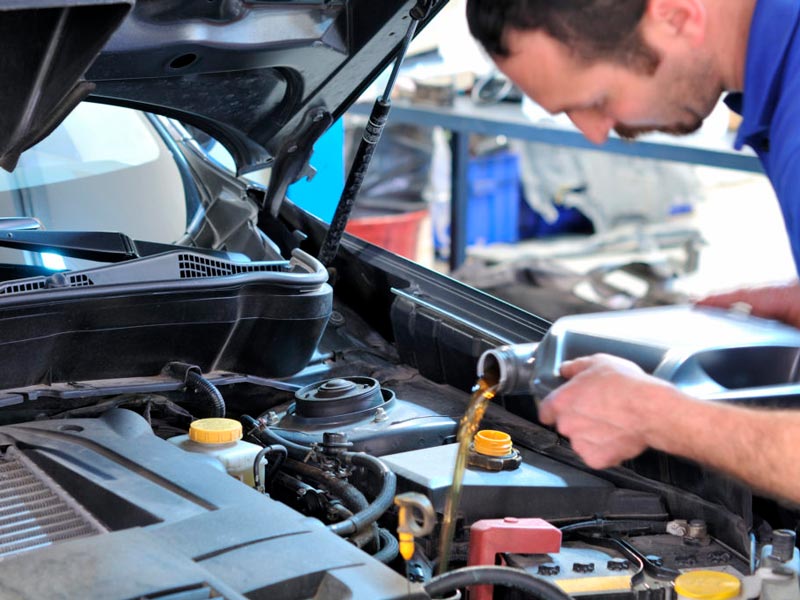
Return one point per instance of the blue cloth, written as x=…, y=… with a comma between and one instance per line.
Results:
x=770, y=105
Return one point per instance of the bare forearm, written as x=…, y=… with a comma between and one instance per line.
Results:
x=754, y=445
x=611, y=411
x=779, y=302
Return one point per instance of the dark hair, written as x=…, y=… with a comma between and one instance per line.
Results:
x=592, y=29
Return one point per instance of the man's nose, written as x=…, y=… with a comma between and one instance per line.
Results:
x=594, y=126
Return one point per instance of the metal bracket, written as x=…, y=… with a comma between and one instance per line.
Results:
x=422, y=9
x=291, y=163
x=180, y=371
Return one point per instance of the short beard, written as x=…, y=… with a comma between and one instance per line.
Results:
x=695, y=85
x=631, y=133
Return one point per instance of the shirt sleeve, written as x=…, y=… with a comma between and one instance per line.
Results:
x=779, y=150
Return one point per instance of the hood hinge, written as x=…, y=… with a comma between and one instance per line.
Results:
x=291, y=163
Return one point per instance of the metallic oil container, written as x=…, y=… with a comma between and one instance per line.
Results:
x=708, y=353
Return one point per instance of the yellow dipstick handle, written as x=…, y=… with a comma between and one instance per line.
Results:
x=415, y=518
x=406, y=545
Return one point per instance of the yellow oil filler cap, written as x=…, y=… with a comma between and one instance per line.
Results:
x=492, y=443
x=708, y=585
x=215, y=431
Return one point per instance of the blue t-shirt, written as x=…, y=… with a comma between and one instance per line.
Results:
x=770, y=105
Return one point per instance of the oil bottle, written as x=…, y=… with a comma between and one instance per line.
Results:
x=512, y=369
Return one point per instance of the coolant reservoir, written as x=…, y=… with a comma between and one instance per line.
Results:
x=707, y=585
x=221, y=441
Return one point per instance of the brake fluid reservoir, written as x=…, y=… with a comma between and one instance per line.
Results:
x=220, y=440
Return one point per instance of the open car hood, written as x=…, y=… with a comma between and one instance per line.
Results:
x=265, y=78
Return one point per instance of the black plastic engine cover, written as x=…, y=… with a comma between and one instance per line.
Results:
x=175, y=523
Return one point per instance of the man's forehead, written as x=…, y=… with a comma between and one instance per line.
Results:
x=542, y=67
x=521, y=40
x=537, y=44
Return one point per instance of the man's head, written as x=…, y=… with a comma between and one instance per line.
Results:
x=629, y=65
x=593, y=29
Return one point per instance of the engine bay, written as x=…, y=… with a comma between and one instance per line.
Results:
x=261, y=408
x=347, y=387
x=94, y=476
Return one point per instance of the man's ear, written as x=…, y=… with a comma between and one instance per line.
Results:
x=673, y=20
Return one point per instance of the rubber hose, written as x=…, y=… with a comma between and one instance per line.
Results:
x=350, y=496
x=366, y=514
x=390, y=547
x=257, y=464
x=340, y=510
x=272, y=469
x=202, y=385
x=272, y=464
x=367, y=536
x=379, y=505
x=267, y=437
x=503, y=576
x=353, y=499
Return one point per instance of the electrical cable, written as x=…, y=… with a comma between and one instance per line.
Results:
x=492, y=575
x=194, y=380
x=200, y=384
x=612, y=526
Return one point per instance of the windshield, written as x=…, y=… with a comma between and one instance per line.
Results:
x=103, y=169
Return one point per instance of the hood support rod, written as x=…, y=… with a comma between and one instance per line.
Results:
x=366, y=148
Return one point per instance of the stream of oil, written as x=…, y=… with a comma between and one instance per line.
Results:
x=482, y=394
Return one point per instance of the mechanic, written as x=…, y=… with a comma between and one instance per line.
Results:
x=660, y=65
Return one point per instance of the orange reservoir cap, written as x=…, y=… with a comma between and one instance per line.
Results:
x=492, y=443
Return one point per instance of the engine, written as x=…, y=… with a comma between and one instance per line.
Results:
x=306, y=508
x=332, y=483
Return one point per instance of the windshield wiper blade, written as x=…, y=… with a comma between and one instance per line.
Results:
x=99, y=246
x=19, y=223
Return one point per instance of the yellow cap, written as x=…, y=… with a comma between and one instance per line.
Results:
x=215, y=431
x=492, y=443
x=708, y=585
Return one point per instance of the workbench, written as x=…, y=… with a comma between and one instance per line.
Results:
x=507, y=119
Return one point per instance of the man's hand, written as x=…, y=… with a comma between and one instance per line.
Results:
x=780, y=302
x=611, y=411
x=606, y=409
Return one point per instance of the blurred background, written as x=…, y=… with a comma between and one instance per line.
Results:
x=540, y=217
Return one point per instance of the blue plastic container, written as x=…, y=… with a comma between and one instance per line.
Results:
x=533, y=225
x=494, y=196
